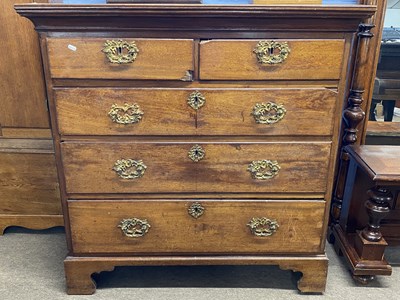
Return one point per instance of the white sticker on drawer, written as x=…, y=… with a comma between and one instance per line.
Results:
x=71, y=47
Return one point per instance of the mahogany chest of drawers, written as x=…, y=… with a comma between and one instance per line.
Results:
x=196, y=134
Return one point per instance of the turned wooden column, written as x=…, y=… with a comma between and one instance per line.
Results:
x=369, y=243
x=377, y=207
x=353, y=115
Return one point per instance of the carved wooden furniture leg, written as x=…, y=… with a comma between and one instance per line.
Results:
x=314, y=275
x=359, y=234
x=369, y=243
x=79, y=278
x=377, y=208
x=78, y=273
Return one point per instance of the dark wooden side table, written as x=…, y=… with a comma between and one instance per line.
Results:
x=370, y=216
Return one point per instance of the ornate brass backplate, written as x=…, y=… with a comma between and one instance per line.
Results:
x=129, y=168
x=134, y=227
x=263, y=226
x=196, y=100
x=268, y=113
x=271, y=52
x=263, y=169
x=196, y=153
x=196, y=210
x=120, y=51
x=125, y=114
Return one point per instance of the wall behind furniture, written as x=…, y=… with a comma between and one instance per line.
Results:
x=392, y=17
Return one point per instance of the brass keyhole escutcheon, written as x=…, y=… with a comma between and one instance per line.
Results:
x=271, y=52
x=196, y=100
x=196, y=210
x=196, y=153
x=120, y=51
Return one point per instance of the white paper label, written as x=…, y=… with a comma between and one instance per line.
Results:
x=72, y=47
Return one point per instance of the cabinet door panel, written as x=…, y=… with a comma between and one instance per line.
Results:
x=22, y=100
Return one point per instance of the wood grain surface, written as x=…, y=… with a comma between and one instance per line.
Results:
x=381, y=163
x=219, y=50
x=29, y=184
x=78, y=270
x=23, y=99
x=88, y=167
x=84, y=111
x=157, y=59
x=221, y=229
x=235, y=60
x=36, y=222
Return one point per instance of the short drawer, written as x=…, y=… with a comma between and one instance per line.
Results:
x=140, y=227
x=271, y=60
x=104, y=58
x=164, y=167
x=105, y=111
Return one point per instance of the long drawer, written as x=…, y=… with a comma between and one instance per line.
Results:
x=107, y=58
x=144, y=227
x=271, y=59
x=105, y=111
x=164, y=167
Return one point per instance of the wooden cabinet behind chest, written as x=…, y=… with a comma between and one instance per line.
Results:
x=29, y=193
x=196, y=134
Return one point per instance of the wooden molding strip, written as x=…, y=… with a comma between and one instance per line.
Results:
x=281, y=11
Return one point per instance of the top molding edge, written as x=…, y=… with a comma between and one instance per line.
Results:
x=282, y=11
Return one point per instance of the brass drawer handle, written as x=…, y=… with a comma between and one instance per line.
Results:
x=196, y=100
x=196, y=153
x=134, y=227
x=196, y=210
x=263, y=226
x=120, y=51
x=271, y=52
x=126, y=114
x=263, y=169
x=268, y=113
x=129, y=168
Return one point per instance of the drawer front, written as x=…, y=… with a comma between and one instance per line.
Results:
x=297, y=59
x=149, y=58
x=295, y=227
x=171, y=167
x=195, y=112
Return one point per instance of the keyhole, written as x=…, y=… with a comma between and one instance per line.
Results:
x=196, y=152
x=122, y=51
x=196, y=100
x=271, y=51
x=270, y=113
